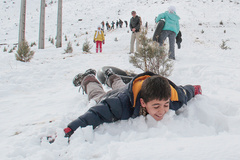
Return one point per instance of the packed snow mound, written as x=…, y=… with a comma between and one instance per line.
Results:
x=38, y=98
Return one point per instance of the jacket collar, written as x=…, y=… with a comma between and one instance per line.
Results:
x=135, y=86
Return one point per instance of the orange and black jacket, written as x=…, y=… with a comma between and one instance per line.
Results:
x=124, y=103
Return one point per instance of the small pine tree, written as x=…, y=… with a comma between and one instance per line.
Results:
x=10, y=51
x=52, y=41
x=69, y=48
x=24, y=53
x=86, y=46
x=151, y=57
x=5, y=49
x=14, y=48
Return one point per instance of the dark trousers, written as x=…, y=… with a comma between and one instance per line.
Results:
x=172, y=38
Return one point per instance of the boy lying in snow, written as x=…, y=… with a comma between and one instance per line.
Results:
x=147, y=93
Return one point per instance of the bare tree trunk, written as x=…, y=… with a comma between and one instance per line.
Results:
x=22, y=26
x=59, y=25
x=42, y=26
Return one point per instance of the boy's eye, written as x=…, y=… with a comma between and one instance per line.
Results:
x=166, y=105
x=156, y=107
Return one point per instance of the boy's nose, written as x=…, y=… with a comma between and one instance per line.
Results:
x=161, y=111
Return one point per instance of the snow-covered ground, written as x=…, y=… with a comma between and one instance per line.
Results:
x=38, y=99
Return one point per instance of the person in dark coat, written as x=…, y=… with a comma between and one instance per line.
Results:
x=146, y=25
x=107, y=25
x=112, y=25
x=135, y=24
x=147, y=93
x=120, y=23
x=117, y=24
x=126, y=23
x=103, y=25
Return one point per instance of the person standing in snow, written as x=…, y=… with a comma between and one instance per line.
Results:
x=135, y=24
x=120, y=22
x=112, y=25
x=170, y=29
x=147, y=93
x=117, y=24
x=126, y=23
x=103, y=24
x=99, y=39
x=107, y=25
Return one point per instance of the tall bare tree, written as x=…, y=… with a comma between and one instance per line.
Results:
x=22, y=23
x=59, y=25
x=42, y=26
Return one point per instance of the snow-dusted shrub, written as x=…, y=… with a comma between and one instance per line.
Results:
x=224, y=45
x=152, y=57
x=24, y=53
x=86, y=46
x=69, y=48
x=33, y=44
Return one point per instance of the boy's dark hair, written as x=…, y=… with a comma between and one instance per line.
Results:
x=155, y=87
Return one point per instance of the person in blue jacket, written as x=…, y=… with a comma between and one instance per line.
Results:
x=147, y=93
x=170, y=29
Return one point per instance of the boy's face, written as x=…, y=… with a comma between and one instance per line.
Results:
x=156, y=108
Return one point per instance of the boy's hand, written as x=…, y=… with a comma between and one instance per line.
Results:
x=93, y=41
x=103, y=42
x=68, y=132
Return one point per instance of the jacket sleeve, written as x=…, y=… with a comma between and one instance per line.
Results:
x=160, y=16
x=107, y=111
x=94, y=36
x=131, y=24
x=138, y=24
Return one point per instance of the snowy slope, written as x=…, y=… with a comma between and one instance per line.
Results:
x=38, y=99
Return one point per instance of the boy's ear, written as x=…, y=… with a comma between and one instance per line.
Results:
x=143, y=104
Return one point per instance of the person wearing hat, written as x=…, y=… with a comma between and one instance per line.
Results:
x=170, y=29
x=99, y=39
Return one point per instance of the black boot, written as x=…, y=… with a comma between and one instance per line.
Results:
x=108, y=72
x=77, y=80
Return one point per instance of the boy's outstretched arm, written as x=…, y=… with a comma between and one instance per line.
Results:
x=107, y=111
